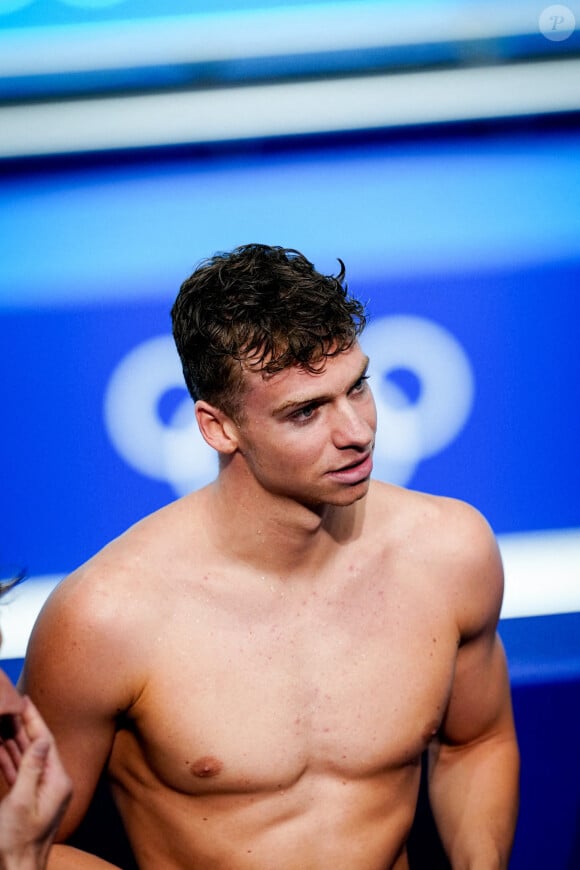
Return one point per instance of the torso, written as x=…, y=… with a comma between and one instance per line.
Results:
x=281, y=725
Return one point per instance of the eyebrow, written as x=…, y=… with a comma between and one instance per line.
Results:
x=303, y=401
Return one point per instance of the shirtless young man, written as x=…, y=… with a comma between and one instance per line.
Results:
x=261, y=664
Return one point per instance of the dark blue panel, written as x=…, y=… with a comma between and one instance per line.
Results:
x=547, y=717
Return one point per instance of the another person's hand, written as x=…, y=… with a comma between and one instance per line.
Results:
x=39, y=792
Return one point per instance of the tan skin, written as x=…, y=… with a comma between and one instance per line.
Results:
x=261, y=664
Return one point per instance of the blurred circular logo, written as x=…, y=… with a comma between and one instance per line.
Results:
x=167, y=448
x=418, y=422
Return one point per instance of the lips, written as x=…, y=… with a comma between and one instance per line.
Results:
x=355, y=471
x=354, y=464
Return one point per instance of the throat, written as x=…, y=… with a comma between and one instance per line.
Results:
x=281, y=536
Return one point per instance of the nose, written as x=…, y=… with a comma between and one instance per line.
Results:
x=354, y=424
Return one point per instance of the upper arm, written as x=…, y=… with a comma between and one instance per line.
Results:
x=480, y=702
x=77, y=676
x=474, y=762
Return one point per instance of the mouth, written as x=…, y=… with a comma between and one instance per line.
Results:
x=355, y=471
x=354, y=464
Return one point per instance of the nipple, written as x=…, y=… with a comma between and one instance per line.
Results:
x=206, y=767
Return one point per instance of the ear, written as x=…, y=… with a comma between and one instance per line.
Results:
x=217, y=429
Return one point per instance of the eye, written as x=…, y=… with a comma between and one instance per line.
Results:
x=302, y=415
x=360, y=384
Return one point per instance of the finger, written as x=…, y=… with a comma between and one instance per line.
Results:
x=43, y=784
x=21, y=737
x=34, y=724
x=12, y=729
x=38, y=732
x=12, y=753
x=7, y=767
x=31, y=770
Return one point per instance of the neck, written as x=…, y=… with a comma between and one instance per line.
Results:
x=275, y=533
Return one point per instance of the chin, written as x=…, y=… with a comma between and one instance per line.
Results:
x=348, y=495
x=338, y=496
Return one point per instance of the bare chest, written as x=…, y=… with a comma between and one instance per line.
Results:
x=250, y=698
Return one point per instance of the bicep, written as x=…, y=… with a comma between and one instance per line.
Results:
x=480, y=702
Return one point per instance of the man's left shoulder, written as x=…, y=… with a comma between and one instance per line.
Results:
x=457, y=543
x=441, y=523
x=466, y=550
x=461, y=525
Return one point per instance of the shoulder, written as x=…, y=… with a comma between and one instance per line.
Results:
x=104, y=613
x=457, y=546
x=422, y=512
x=123, y=590
x=83, y=640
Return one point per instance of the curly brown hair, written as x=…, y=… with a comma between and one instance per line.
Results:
x=260, y=306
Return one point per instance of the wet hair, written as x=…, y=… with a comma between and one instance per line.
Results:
x=262, y=307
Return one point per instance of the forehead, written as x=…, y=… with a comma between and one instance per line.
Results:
x=335, y=374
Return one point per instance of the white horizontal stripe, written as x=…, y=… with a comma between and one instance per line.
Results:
x=255, y=33
x=542, y=571
x=288, y=109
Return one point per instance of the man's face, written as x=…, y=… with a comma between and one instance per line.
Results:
x=310, y=436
